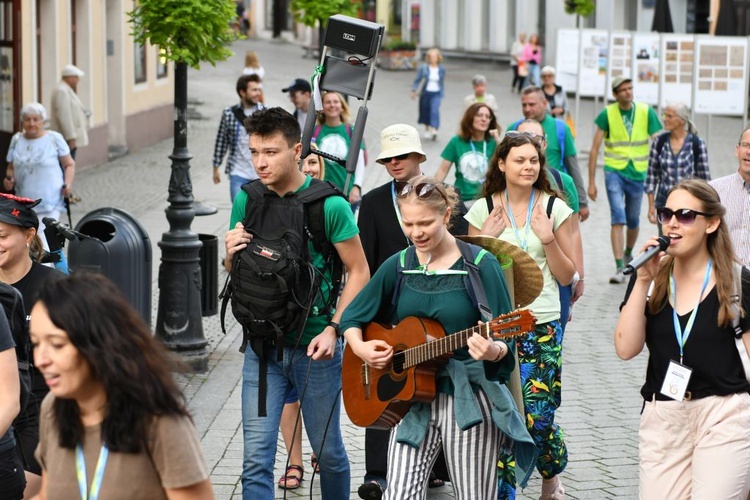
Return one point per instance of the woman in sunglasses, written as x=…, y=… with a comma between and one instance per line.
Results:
x=519, y=191
x=431, y=282
x=695, y=420
x=470, y=150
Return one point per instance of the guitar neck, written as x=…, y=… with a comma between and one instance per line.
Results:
x=440, y=347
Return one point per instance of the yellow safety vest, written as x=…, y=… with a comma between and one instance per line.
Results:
x=619, y=149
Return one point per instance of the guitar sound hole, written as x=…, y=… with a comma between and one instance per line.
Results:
x=398, y=362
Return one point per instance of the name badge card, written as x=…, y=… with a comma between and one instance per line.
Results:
x=676, y=381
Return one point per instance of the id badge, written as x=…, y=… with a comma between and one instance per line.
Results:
x=676, y=382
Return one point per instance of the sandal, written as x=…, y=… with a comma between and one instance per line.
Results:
x=290, y=481
x=314, y=463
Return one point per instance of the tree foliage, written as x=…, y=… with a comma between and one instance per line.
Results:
x=189, y=31
x=583, y=8
x=308, y=12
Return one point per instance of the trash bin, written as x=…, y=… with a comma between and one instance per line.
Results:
x=209, y=261
x=120, y=249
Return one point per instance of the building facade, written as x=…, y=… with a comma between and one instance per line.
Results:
x=128, y=88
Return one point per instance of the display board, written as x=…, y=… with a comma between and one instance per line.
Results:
x=720, y=75
x=566, y=63
x=593, y=54
x=646, y=68
x=677, y=64
x=620, y=59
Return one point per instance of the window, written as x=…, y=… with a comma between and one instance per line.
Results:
x=139, y=63
x=161, y=64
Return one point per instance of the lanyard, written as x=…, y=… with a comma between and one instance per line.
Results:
x=523, y=243
x=484, y=149
x=398, y=212
x=683, y=336
x=422, y=269
x=96, y=482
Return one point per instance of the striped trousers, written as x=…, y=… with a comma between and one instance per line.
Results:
x=471, y=455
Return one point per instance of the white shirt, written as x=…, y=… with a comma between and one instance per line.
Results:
x=735, y=196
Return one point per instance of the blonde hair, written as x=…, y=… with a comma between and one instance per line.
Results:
x=251, y=59
x=720, y=249
x=435, y=51
x=443, y=198
x=346, y=114
x=321, y=161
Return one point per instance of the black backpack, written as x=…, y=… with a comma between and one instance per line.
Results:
x=273, y=285
x=15, y=311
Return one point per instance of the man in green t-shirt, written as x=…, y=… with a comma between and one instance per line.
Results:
x=315, y=356
x=625, y=126
x=562, y=157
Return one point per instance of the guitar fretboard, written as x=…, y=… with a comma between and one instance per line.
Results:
x=440, y=347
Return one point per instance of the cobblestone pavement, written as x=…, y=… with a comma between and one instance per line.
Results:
x=601, y=406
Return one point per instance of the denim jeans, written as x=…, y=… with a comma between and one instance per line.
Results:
x=319, y=386
x=625, y=196
x=235, y=184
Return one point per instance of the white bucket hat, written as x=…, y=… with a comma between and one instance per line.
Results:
x=398, y=140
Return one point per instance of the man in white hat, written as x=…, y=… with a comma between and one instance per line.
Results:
x=382, y=236
x=67, y=114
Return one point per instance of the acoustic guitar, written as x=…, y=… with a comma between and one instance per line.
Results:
x=380, y=398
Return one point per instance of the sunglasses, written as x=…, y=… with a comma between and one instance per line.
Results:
x=399, y=158
x=684, y=216
x=526, y=133
x=424, y=190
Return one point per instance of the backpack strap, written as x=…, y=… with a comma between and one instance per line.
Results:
x=560, y=129
x=472, y=255
x=736, y=313
x=316, y=133
x=557, y=178
x=550, y=204
x=490, y=203
x=406, y=253
x=313, y=199
x=696, y=149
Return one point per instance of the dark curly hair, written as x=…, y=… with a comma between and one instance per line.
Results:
x=495, y=180
x=123, y=356
x=266, y=122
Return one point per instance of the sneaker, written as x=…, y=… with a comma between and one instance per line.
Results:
x=558, y=494
x=370, y=490
x=618, y=277
x=427, y=134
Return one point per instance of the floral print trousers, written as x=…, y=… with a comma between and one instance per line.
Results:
x=540, y=361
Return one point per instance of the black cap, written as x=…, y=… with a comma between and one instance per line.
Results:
x=298, y=84
x=18, y=211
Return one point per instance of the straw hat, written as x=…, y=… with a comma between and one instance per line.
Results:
x=527, y=277
x=398, y=140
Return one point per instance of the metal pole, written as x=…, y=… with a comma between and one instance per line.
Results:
x=178, y=323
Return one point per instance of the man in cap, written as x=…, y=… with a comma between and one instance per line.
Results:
x=561, y=151
x=479, y=82
x=299, y=93
x=382, y=236
x=625, y=126
x=67, y=114
x=232, y=137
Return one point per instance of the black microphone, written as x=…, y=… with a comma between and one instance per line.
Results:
x=647, y=255
x=61, y=229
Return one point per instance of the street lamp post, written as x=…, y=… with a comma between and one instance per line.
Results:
x=178, y=322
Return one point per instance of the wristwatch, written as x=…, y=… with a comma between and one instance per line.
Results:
x=335, y=327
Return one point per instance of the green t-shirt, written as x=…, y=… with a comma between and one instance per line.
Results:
x=654, y=125
x=335, y=141
x=568, y=189
x=471, y=159
x=440, y=297
x=339, y=226
x=552, y=154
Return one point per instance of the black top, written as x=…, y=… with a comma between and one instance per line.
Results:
x=6, y=342
x=380, y=231
x=29, y=286
x=710, y=351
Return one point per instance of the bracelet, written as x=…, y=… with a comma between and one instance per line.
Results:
x=549, y=242
x=499, y=356
x=336, y=328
